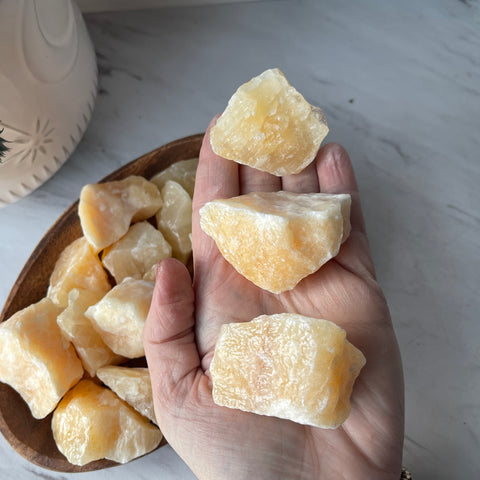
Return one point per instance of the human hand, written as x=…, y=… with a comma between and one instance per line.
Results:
x=184, y=321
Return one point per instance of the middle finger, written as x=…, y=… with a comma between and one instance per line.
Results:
x=253, y=180
x=304, y=182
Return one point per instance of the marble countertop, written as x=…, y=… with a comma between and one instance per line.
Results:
x=399, y=83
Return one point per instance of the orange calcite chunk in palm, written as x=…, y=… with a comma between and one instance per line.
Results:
x=91, y=423
x=288, y=366
x=107, y=209
x=37, y=361
x=77, y=267
x=276, y=239
x=268, y=125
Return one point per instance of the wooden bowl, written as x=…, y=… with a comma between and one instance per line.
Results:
x=33, y=438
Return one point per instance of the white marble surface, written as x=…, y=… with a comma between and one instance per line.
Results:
x=400, y=85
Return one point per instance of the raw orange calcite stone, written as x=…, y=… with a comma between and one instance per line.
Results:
x=37, y=361
x=91, y=422
x=106, y=210
x=174, y=219
x=132, y=385
x=275, y=239
x=270, y=126
x=77, y=267
x=120, y=315
x=76, y=327
x=134, y=255
x=182, y=172
x=288, y=366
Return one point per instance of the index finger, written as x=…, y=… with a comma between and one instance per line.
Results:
x=216, y=178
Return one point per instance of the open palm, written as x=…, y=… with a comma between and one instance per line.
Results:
x=184, y=321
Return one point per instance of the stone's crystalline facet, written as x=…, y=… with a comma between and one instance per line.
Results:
x=77, y=267
x=277, y=238
x=269, y=126
x=120, y=315
x=90, y=347
x=288, y=366
x=91, y=423
x=37, y=361
x=132, y=385
x=107, y=209
x=182, y=172
x=174, y=219
x=142, y=247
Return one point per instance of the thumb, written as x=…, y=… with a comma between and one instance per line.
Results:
x=168, y=339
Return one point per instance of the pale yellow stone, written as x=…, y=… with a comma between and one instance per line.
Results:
x=288, y=366
x=141, y=248
x=92, y=423
x=182, y=172
x=132, y=385
x=106, y=210
x=174, y=219
x=77, y=267
x=276, y=239
x=77, y=328
x=37, y=361
x=120, y=315
x=151, y=274
x=268, y=125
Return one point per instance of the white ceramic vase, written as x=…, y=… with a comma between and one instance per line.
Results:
x=48, y=86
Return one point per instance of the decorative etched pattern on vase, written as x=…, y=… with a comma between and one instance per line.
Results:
x=48, y=86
